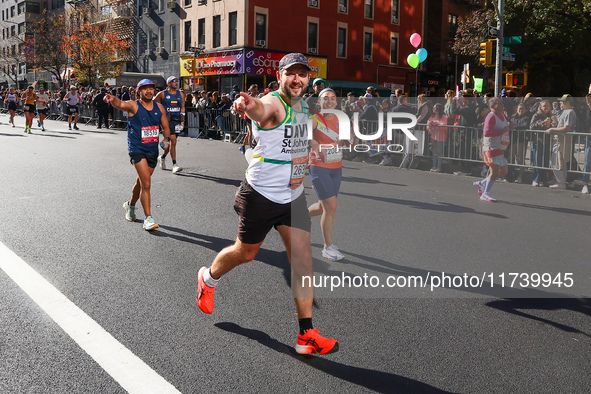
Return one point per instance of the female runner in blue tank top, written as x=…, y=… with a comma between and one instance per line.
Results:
x=145, y=117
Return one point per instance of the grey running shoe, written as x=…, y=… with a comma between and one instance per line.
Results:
x=176, y=168
x=162, y=162
x=129, y=211
x=332, y=253
x=149, y=223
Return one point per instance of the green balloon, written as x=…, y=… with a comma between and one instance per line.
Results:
x=413, y=60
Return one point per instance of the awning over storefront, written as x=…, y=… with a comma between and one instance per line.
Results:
x=358, y=88
x=244, y=61
x=131, y=79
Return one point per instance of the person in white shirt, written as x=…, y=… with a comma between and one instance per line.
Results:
x=42, y=107
x=72, y=98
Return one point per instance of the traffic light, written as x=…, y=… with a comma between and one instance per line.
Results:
x=516, y=79
x=519, y=79
x=486, y=53
x=467, y=76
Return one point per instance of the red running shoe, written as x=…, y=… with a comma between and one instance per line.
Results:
x=313, y=342
x=204, y=293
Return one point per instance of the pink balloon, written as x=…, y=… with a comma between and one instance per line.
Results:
x=415, y=40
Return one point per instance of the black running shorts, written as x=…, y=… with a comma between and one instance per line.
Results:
x=135, y=157
x=258, y=214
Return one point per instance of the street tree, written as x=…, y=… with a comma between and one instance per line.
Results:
x=554, y=49
x=50, y=29
x=94, y=49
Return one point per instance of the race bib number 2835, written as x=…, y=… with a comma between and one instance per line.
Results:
x=298, y=171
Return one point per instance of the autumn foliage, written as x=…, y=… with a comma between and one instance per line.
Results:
x=94, y=51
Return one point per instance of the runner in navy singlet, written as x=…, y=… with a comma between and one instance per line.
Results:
x=145, y=117
x=173, y=100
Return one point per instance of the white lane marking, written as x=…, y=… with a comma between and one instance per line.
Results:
x=125, y=368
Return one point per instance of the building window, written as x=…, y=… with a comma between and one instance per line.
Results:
x=161, y=37
x=12, y=30
x=369, y=9
x=312, y=37
x=313, y=3
x=187, y=35
x=343, y=6
x=21, y=8
x=367, y=45
x=261, y=27
x=161, y=5
x=21, y=28
x=393, y=48
x=395, y=11
x=341, y=42
x=12, y=9
x=33, y=8
x=452, y=21
x=217, y=31
x=201, y=33
x=173, y=39
x=187, y=3
x=233, y=29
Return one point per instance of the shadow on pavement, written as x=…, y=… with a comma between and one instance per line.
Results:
x=374, y=380
x=440, y=207
x=12, y=135
x=355, y=179
x=568, y=211
x=223, y=181
x=213, y=243
x=44, y=134
x=515, y=307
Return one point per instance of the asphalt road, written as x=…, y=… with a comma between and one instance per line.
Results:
x=60, y=207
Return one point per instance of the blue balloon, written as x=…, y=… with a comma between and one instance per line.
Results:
x=422, y=54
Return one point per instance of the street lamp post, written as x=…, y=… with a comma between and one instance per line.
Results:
x=499, y=9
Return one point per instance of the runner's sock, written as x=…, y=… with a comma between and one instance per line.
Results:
x=209, y=281
x=489, y=185
x=305, y=325
x=173, y=162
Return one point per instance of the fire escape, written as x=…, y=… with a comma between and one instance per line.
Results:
x=120, y=16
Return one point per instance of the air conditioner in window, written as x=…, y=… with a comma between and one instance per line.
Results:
x=171, y=5
x=148, y=52
x=260, y=43
x=313, y=3
x=367, y=57
x=394, y=20
x=147, y=10
x=160, y=50
x=201, y=46
x=342, y=8
x=312, y=50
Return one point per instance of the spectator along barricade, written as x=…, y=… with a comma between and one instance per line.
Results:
x=457, y=140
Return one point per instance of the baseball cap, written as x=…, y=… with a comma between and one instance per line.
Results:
x=566, y=97
x=318, y=81
x=368, y=95
x=145, y=82
x=291, y=59
x=171, y=79
x=41, y=88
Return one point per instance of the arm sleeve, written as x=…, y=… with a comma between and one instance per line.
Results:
x=489, y=126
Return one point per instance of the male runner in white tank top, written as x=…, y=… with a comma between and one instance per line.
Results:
x=272, y=196
x=72, y=99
